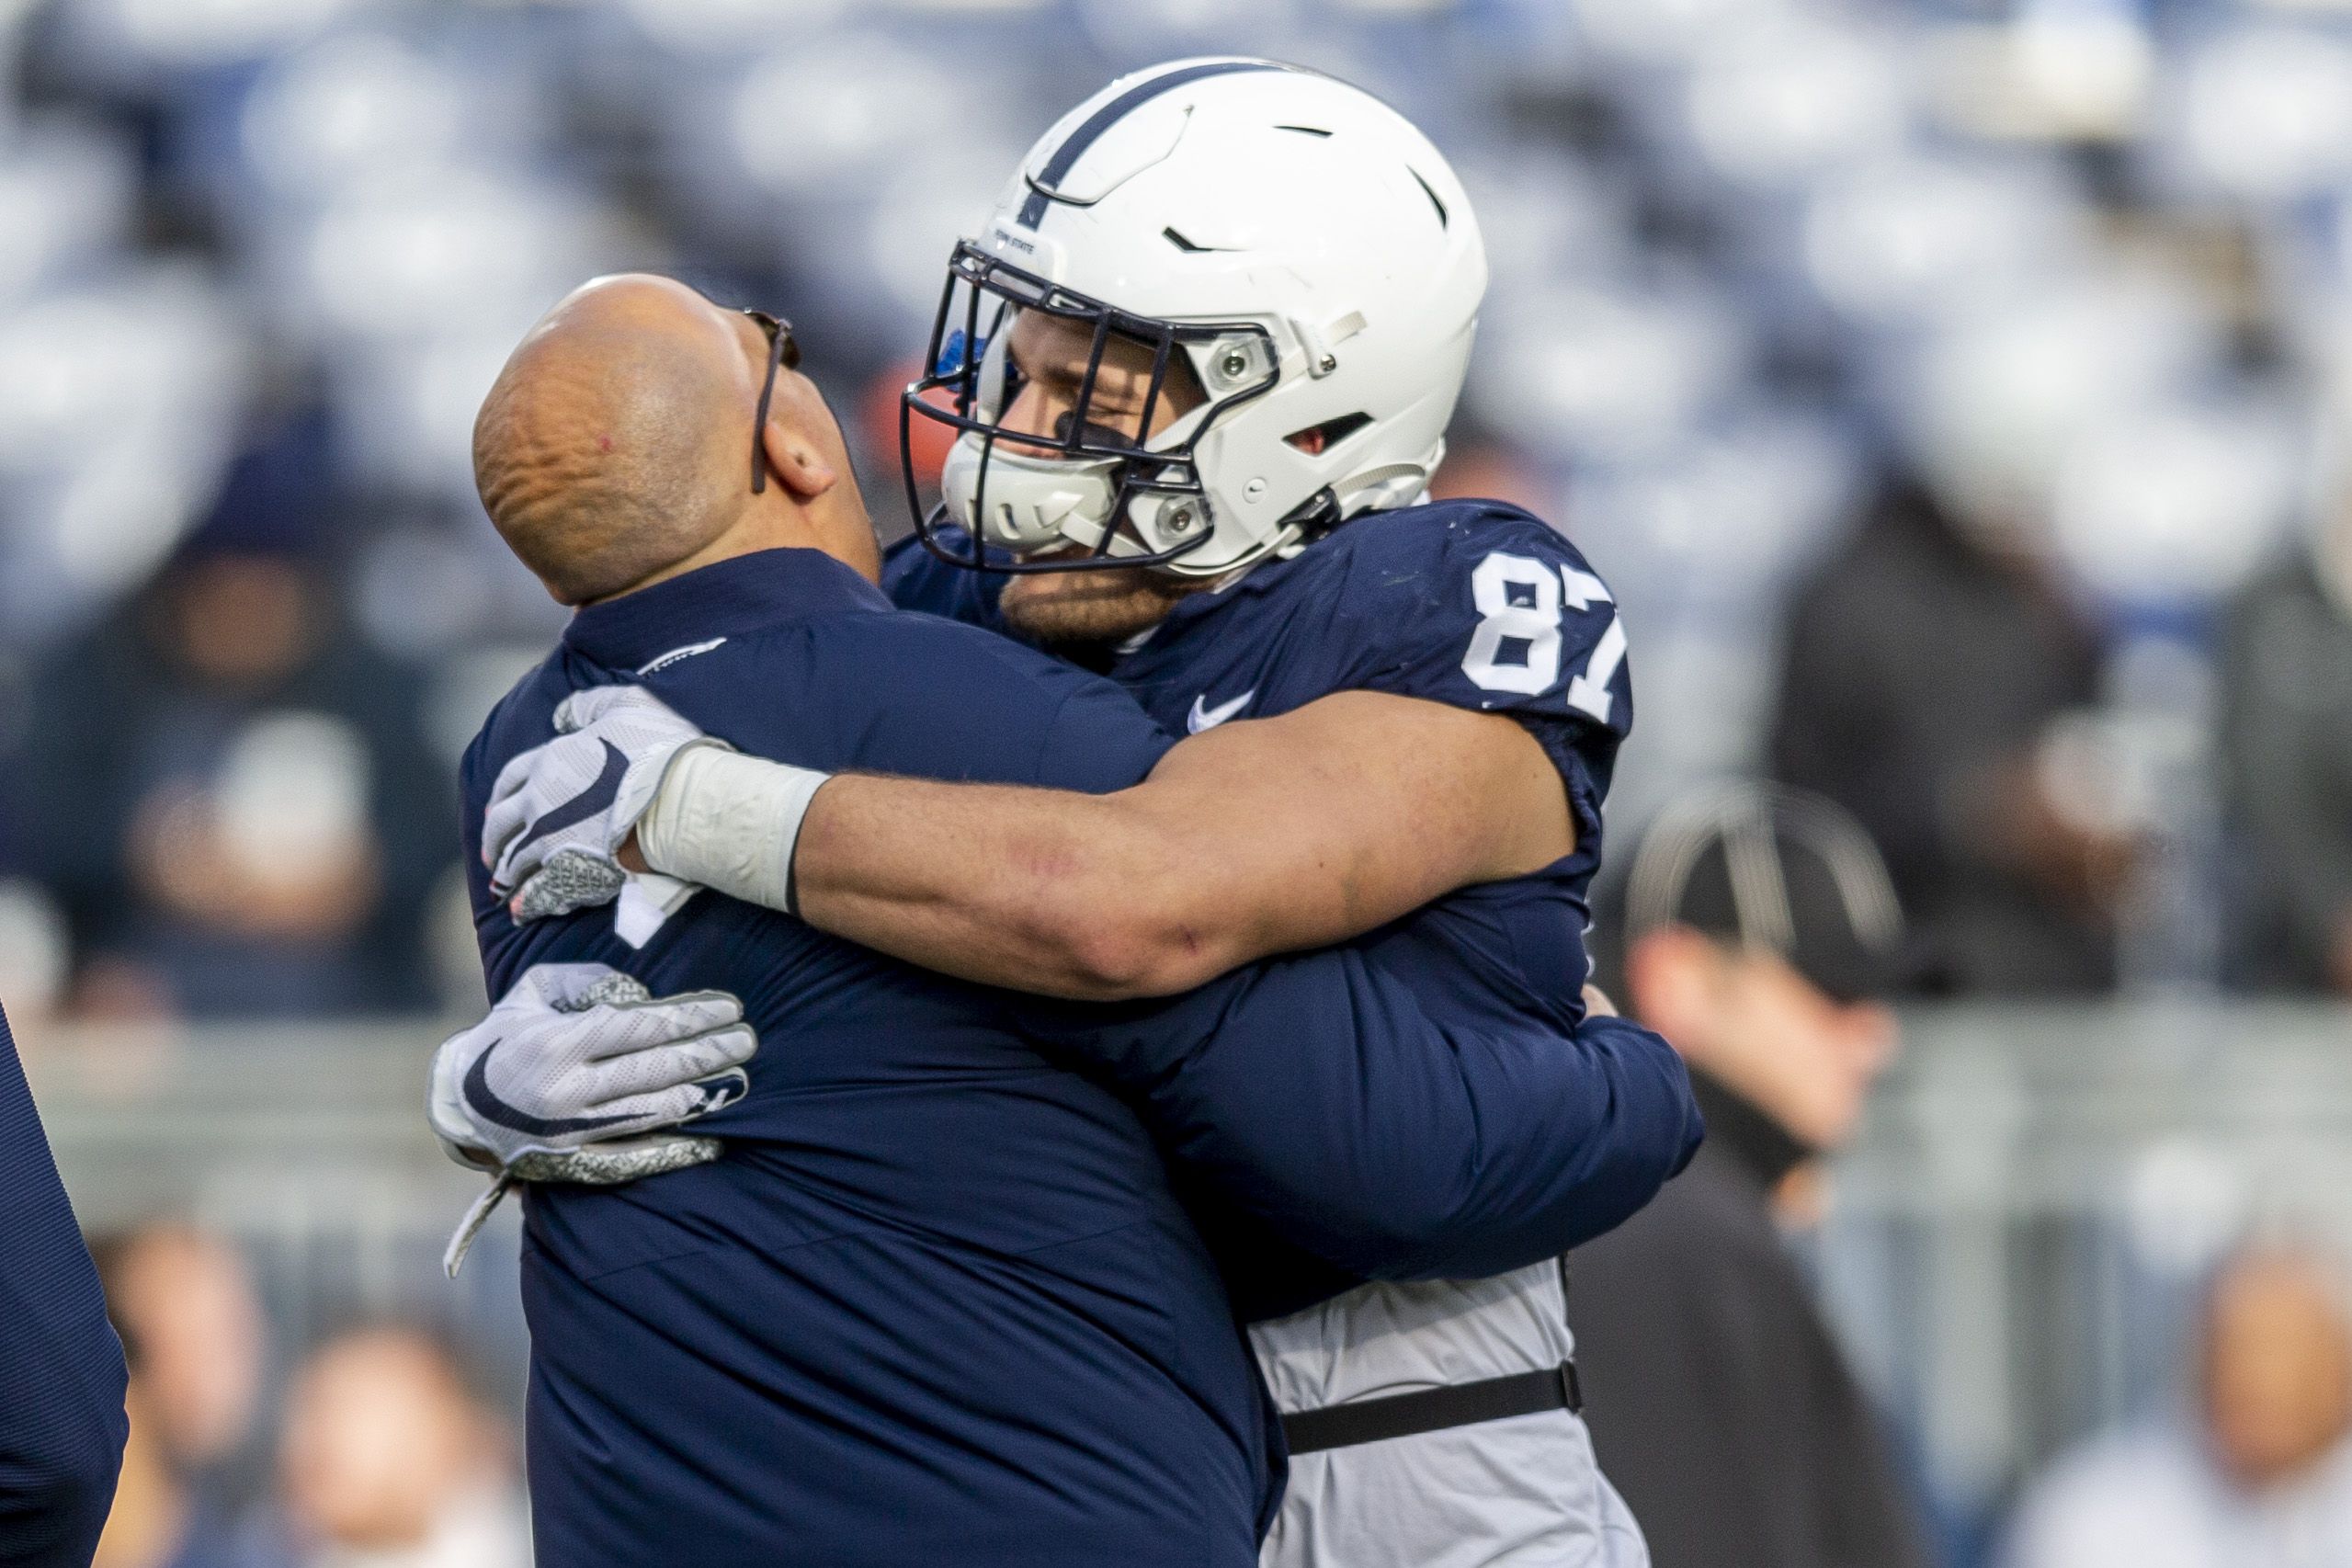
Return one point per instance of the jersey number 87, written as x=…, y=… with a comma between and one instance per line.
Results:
x=1519, y=600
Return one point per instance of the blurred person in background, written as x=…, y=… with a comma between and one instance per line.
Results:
x=185, y=1301
x=162, y=1516
x=1929, y=666
x=2287, y=754
x=231, y=800
x=390, y=1461
x=62, y=1380
x=2259, y=1474
x=1761, y=929
x=156, y=1521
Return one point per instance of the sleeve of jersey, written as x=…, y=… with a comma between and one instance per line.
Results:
x=1491, y=610
x=1314, y=1096
x=62, y=1424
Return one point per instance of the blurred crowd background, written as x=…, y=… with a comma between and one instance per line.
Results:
x=1956, y=393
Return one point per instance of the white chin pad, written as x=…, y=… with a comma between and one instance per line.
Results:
x=1031, y=502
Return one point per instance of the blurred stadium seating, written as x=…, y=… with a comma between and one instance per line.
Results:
x=2079, y=265
x=2079, y=269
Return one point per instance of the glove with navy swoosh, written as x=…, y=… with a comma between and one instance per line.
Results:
x=559, y=812
x=703, y=812
x=579, y=1075
x=579, y=1053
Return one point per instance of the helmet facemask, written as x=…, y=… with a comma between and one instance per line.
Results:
x=1087, y=483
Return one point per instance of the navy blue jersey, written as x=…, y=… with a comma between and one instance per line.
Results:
x=62, y=1424
x=1473, y=604
x=939, y=1302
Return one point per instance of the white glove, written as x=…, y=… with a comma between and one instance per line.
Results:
x=579, y=1053
x=574, y=1076
x=559, y=812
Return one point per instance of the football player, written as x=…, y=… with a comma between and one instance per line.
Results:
x=1200, y=363
x=938, y=1301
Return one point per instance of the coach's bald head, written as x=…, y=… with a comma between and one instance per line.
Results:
x=614, y=449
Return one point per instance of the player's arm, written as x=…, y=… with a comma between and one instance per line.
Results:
x=1315, y=1096
x=1263, y=836
x=62, y=1424
x=1257, y=837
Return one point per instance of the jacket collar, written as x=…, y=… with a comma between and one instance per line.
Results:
x=731, y=598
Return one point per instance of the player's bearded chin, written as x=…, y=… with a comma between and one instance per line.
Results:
x=1109, y=605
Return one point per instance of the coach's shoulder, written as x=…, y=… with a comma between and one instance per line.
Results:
x=935, y=643
x=945, y=699
x=1009, y=683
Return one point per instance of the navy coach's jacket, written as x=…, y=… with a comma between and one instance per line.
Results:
x=62, y=1424
x=937, y=1304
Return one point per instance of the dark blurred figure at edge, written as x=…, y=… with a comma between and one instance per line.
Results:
x=1927, y=666
x=2287, y=753
x=61, y=1424
x=228, y=789
x=1760, y=930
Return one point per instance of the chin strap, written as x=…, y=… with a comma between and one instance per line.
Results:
x=1383, y=488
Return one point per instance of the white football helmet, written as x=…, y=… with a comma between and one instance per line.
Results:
x=1306, y=249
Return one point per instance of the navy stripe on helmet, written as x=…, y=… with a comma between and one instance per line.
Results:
x=1066, y=156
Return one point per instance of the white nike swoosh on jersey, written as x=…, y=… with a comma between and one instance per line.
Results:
x=675, y=654
x=1204, y=717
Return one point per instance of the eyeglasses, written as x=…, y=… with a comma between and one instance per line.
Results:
x=783, y=353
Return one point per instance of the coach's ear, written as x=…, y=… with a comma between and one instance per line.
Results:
x=795, y=456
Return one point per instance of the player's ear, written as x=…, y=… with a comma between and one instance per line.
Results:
x=799, y=461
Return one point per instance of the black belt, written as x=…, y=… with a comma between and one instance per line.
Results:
x=1433, y=1410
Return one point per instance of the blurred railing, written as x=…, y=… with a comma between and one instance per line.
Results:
x=2012, y=1247
x=2015, y=1246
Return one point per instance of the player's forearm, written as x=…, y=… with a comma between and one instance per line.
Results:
x=1052, y=892
x=1043, y=891
x=1259, y=838
x=1149, y=891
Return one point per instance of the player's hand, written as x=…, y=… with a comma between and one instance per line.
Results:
x=579, y=1054
x=578, y=1075
x=559, y=812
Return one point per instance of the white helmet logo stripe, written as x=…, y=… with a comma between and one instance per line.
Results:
x=1065, y=158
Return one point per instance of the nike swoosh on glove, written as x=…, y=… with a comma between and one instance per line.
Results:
x=559, y=812
x=578, y=1075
